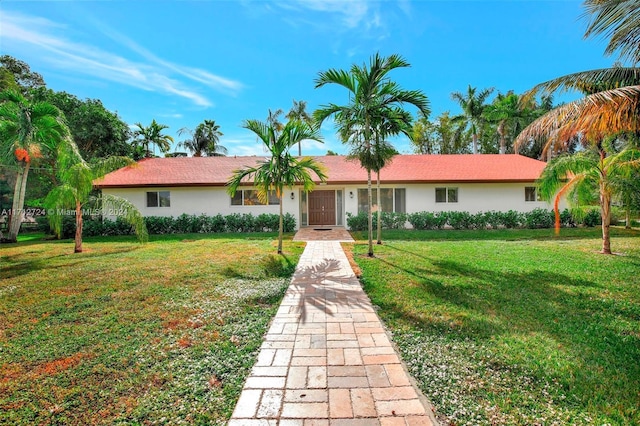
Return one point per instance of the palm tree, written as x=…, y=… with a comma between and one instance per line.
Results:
x=28, y=132
x=205, y=140
x=473, y=106
x=618, y=20
x=76, y=182
x=299, y=112
x=371, y=94
x=152, y=135
x=611, y=107
x=281, y=169
x=509, y=113
x=581, y=175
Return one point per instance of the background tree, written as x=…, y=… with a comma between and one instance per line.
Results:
x=281, y=169
x=98, y=132
x=298, y=111
x=28, y=132
x=74, y=192
x=152, y=135
x=371, y=94
x=205, y=140
x=510, y=115
x=17, y=75
x=473, y=105
x=440, y=136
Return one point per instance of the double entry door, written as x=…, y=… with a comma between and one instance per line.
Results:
x=322, y=207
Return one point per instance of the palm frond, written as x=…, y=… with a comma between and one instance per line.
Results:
x=595, y=116
x=619, y=22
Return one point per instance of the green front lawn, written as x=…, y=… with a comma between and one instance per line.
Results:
x=162, y=333
x=516, y=326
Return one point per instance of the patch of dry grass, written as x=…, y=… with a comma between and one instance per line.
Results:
x=137, y=334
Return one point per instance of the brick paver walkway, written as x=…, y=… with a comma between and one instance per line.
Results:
x=327, y=360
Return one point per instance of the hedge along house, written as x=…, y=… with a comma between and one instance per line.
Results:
x=410, y=183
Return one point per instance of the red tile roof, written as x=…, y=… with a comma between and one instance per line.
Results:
x=215, y=171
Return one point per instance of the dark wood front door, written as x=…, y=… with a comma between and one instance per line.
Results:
x=322, y=208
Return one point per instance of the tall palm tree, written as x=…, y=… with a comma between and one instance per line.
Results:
x=281, y=169
x=28, y=132
x=509, y=113
x=611, y=107
x=205, y=140
x=473, y=105
x=371, y=92
x=152, y=135
x=76, y=182
x=299, y=112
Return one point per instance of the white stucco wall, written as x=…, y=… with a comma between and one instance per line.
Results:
x=472, y=198
x=200, y=200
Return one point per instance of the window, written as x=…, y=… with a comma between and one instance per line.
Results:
x=446, y=195
x=531, y=193
x=159, y=199
x=249, y=197
x=391, y=200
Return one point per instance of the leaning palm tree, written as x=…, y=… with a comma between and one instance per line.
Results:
x=473, y=106
x=152, y=135
x=76, y=179
x=204, y=141
x=299, y=112
x=371, y=91
x=281, y=169
x=28, y=133
x=613, y=102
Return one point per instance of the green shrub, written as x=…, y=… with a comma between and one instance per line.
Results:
x=460, y=220
x=493, y=219
x=511, y=219
x=393, y=220
x=566, y=219
x=357, y=222
x=592, y=218
x=539, y=218
x=427, y=220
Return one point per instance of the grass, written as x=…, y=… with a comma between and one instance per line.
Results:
x=162, y=333
x=514, y=327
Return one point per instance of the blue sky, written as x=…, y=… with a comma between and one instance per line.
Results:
x=181, y=62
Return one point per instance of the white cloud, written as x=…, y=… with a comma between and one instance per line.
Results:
x=46, y=38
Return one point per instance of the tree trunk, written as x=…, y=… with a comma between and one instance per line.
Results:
x=18, y=203
x=503, y=141
x=379, y=224
x=78, y=239
x=605, y=213
x=627, y=218
x=475, y=143
x=300, y=149
x=370, y=216
x=280, y=226
x=556, y=211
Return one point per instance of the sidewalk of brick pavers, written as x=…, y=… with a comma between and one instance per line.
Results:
x=326, y=359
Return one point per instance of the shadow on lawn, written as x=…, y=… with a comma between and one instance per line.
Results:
x=20, y=265
x=324, y=289
x=574, y=315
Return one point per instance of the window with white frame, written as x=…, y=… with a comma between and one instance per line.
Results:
x=158, y=199
x=531, y=193
x=391, y=200
x=446, y=195
x=249, y=197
